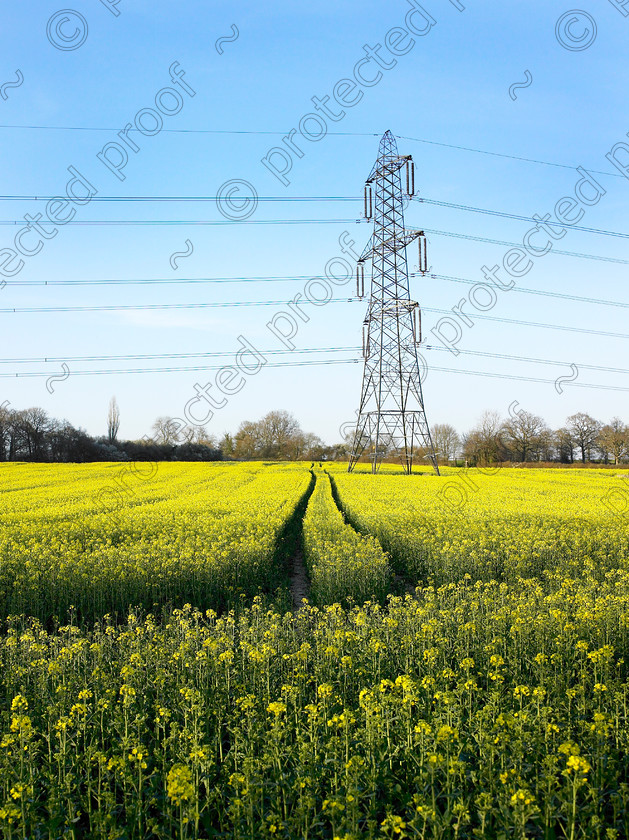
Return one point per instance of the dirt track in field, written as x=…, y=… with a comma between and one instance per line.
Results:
x=299, y=584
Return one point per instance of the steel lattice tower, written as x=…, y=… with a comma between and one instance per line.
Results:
x=391, y=417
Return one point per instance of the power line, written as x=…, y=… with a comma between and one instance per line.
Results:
x=503, y=215
x=488, y=355
x=300, y=199
x=315, y=198
x=164, y=280
x=555, y=251
x=228, y=132
x=182, y=130
x=176, y=369
x=147, y=356
x=511, y=377
x=545, y=293
x=292, y=278
x=298, y=351
x=489, y=374
x=165, y=198
x=356, y=221
x=244, y=303
x=198, y=222
x=153, y=222
x=504, y=155
x=161, y=306
x=530, y=323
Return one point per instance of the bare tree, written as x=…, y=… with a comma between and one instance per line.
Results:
x=113, y=420
x=613, y=440
x=227, y=445
x=483, y=444
x=564, y=444
x=201, y=436
x=278, y=430
x=276, y=435
x=305, y=446
x=65, y=442
x=545, y=448
x=446, y=441
x=5, y=429
x=167, y=431
x=15, y=436
x=34, y=426
x=247, y=442
x=585, y=431
x=522, y=435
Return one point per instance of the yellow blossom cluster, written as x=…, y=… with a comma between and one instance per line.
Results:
x=97, y=539
x=342, y=563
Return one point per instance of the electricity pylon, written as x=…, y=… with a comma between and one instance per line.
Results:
x=391, y=417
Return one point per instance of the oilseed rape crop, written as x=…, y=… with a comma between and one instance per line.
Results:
x=342, y=563
x=185, y=534
x=473, y=711
x=493, y=702
x=506, y=525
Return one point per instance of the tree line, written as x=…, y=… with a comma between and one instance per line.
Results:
x=525, y=437
x=32, y=435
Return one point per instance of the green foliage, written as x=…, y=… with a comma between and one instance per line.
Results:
x=473, y=711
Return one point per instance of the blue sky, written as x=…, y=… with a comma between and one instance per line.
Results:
x=451, y=88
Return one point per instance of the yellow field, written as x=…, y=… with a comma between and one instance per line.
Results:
x=493, y=702
x=502, y=524
x=103, y=538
